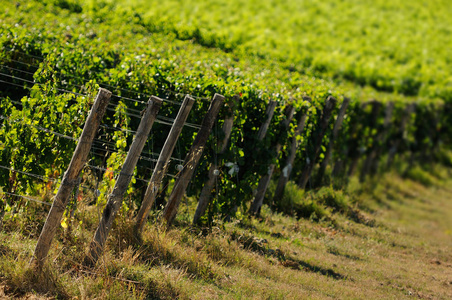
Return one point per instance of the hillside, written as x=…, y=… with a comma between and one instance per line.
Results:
x=355, y=48
x=225, y=149
x=399, y=250
x=392, y=46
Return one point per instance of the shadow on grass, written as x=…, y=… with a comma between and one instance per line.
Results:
x=308, y=267
x=260, y=247
x=337, y=252
x=323, y=271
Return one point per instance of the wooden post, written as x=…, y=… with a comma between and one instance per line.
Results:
x=264, y=127
x=162, y=164
x=396, y=144
x=122, y=182
x=206, y=191
x=269, y=112
x=413, y=151
x=381, y=137
x=265, y=180
x=285, y=173
x=319, y=133
x=351, y=152
x=435, y=129
x=70, y=178
x=191, y=160
x=376, y=106
x=329, y=149
x=354, y=151
x=353, y=165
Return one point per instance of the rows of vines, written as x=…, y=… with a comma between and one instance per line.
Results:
x=51, y=67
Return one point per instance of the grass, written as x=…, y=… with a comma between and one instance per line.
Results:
x=402, y=253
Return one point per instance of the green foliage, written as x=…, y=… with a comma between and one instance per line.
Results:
x=295, y=202
x=314, y=38
x=332, y=198
x=61, y=47
x=420, y=175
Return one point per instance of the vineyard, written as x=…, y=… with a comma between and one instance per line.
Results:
x=156, y=116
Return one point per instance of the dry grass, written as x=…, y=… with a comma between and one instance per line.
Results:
x=398, y=247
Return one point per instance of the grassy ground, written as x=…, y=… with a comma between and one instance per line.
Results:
x=393, y=242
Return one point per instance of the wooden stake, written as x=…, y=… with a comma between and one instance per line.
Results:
x=376, y=106
x=285, y=173
x=381, y=137
x=353, y=150
x=162, y=164
x=329, y=149
x=122, y=182
x=321, y=130
x=265, y=180
x=206, y=192
x=264, y=127
x=191, y=160
x=269, y=112
x=70, y=178
x=396, y=144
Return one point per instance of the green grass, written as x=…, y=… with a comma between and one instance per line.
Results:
x=74, y=45
x=388, y=238
x=403, y=253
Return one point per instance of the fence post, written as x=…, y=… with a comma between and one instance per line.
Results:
x=206, y=191
x=122, y=182
x=70, y=178
x=405, y=118
x=376, y=106
x=319, y=133
x=264, y=127
x=269, y=112
x=353, y=151
x=285, y=173
x=265, y=180
x=412, y=150
x=162, y=165
x=329, y=149
x=192, y=159
x=382, y=136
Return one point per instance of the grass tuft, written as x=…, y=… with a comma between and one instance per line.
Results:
x=383, y=235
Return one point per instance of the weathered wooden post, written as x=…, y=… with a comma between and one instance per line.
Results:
x=265, y=180
x=114, y=201
x=434, y=130
x=403, y=123
x=373, y=124
x=334, y=135
x=191, y=160
x=285, y=172
x=162, y=164
x=418, y=137
x=341, y=172
x=206, y=191
x=269, y=112
x=381, y=137
x=70, y=178
x=319, y=133
x=264, y=127
x=354, y=151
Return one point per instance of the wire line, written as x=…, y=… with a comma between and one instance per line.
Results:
x=28, y=198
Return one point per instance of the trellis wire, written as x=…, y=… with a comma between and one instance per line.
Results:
x=107, y=85
x=28, y=198
x=111, y=144
x=160, y=119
